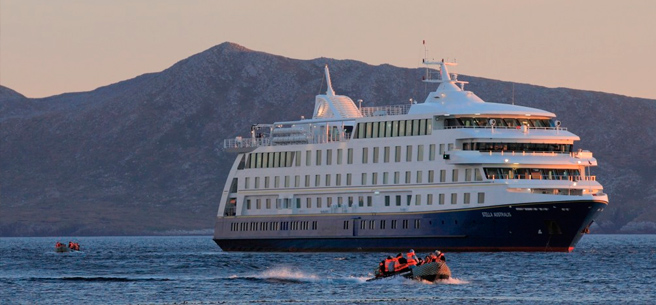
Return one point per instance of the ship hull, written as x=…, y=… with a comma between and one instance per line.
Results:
x=531, y=227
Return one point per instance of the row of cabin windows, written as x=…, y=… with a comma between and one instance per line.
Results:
x=499, y=122
x=398, y=200
x=384, y=178
x=518, y=147
x=360, y=201
x=273, y=226
x=385, y=154
x=531, y=173
x=382, y=224
x=387, y=129
x=289, y=203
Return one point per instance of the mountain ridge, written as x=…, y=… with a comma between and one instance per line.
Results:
x=141, y=156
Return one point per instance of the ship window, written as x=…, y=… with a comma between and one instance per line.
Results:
x=393, y=224
x=441, y=152
x=385, y=178
x=417, y=199
x=386, y=153
x=429, y=199
x=297, y=181
x=454, y=175
x=368, y=131
x=442, y=175
x=339, y=155
x=440, y=199
x=346, y=224
x=467, y=174
x=408, y=128
x=258, y=204
x=276, y=159
x=408, y=199
x=407, y=177
x=329, y=201
x=405, y=223
x=420, y=153
x=376, y=154
x=454, y=198
x=397, y=154
x=286, y=181
x=397, y=177
x=431, y=176
x=374, y=178
x=266, y=182
x=298, y=203
x=419, y=177
x=395, y=128
x=465, y=198
x=450, y=146
x=381, y=129
x=382, y=224
x=338, y=179
x=314, y=225
x=364, y=179
x=350, y=201
x=348, y=179
x=247, y=182
x=329, y=157
x=372, y=224
x=360, y=131
x=319, y=202
x=349, y=156
x=387, y=201
x=278, y=203
x=363, y=224
x=276, y=181
x=268, y=203
x=365, y=155
x=417, y=223
x=398, y=200
x=477, y=174
x=308, y=202
x=481, y=198
x=317, y=180
x=374, y=132
x=307, y=180
x=248, y=204
x=327, y=179
x=369, y=201
x=297, y=156
x=318, y=157
x=415, y=127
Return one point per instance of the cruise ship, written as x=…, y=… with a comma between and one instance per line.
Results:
x=453, y=173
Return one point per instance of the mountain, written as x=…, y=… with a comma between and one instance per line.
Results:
x=143, y=156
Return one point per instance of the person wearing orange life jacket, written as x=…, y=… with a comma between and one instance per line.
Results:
x=412, y=258
x=400, y=263
x=439, y=256
x=389, y=264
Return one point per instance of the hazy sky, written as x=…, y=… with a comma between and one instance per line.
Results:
x=49, y=47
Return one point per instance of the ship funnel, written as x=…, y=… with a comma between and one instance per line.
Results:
x=329, y=90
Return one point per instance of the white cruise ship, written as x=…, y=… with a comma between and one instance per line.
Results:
x=453, y=173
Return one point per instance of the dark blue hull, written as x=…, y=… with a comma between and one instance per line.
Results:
x=553, y=227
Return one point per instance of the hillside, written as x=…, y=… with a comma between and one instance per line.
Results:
x=143, y=156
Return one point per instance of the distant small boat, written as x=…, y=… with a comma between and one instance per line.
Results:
x=61, y=248
x=428, y=272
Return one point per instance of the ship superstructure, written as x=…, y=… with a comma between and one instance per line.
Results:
x=453, y=173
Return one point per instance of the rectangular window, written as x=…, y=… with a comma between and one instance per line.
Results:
x=429, y=199
x=258, y=204
x=382, y=224
x=298, y=158
x=454, y=198
x=454, y=176
x=398, y=200
x=405, y=223
x=465, y=198
x=338, y=179
x=364, y=179
x=339, y=201
x=387, y=201
x=346, y=224
x=397, y=177
x=431, y=152
x=297, y=181
x=339, y=156
x=468, y=174
x=329, y=157
x=276, y=181
x=441, y=149
x=417, y=223
x=308, y=158
x=329, y=201
x=420, y=152
x=481, y=198
x=308, y=202
x=286, y=181
x=369, y=201
x=376, y=153
x=374, y=178
x=348, y=179
x=442, y=175
x=350, y=201
x=450, y=146
x=408, y=198
x=407, y=176
x=417, y=199
x=386, y=154
x=349, y=156
x=365, y=155
x=419, y=177
x=247, y=182
x=374, y=131
x=397, y=154
x=319, y=202
x=440, y=199
x=268, y=203
x=385, y=178
x=266, y=182
x=318, y=157
x=477, y=175
x=327, y=179
x=317, y=180
x=307, y=180
x=248, y=204
x=408, y=153
x=431, y=176
x=298, y=203
x=393, y=224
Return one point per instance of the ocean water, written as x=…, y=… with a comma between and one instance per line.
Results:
x=603, y=269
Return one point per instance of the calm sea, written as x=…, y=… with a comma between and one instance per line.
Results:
x=603, y=269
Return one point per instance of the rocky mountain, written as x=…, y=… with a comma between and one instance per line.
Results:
x=143, y=156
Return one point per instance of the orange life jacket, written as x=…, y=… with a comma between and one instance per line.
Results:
x=412, y=259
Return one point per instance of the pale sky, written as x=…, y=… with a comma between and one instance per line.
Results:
x=49, y=47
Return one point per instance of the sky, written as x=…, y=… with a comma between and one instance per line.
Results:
x=51, y=47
